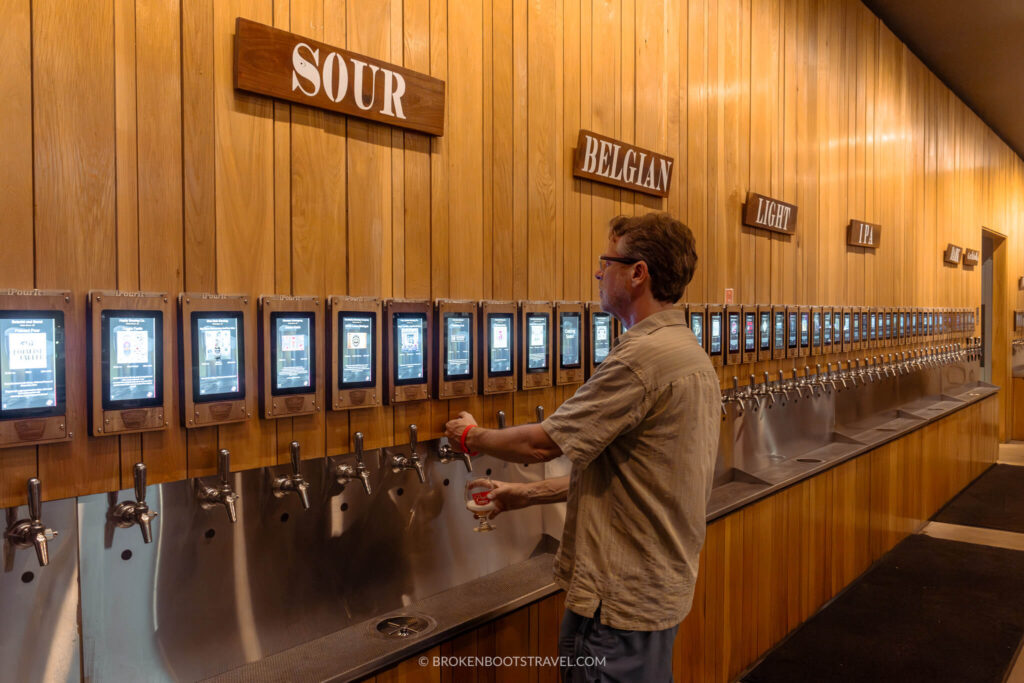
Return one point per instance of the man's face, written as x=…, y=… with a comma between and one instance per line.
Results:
x=614, y=281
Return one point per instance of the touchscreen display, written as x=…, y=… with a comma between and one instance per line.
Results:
x=846, y=328
x=570, y=337
x=734, y=332
x=792, y=330
x=903, y=323
x=537, y=342
x=292, y=353
x=31, y=363
x=888, y=325
x=499, y=335
x=837, y=328
x=805, y=329
x=872, y=332
x=697, y=326
x=356, y=348
x=856, y=327
x=816, y=328
x=749, y=332
x=780, y=330
x=218, y=363
x=826, y=328
x=766, y=331
x=410, y=343
x=716, y=333
x=458, y=346
x=132, y=358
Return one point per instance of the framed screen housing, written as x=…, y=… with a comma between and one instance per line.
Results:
x=291, y=325
x=778, y=332
x=804, y=330
x=408, y=349
x=353, y=332
x=497, y=358
x=697, y=320
x=456, y=338
x=536, y=318
x=749, y=334
x=135, y=320
x=817, y=329
x=764, y=332
x=715, y=332
x=846, y=343
x=792, y=331
x=31, y=313
x=826, y=329
x=873, y=315
x=569, y=320
x=733, y=335
x=222, y=408
x=856, y=342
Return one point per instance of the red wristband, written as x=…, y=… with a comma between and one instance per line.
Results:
x=462, y=440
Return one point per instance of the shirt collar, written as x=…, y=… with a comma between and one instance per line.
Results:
x=655, y=321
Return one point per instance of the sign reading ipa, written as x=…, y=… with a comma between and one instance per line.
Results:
x=972, y=257
x=606, y=160
x=272, y=62
x=769, y=214
x=952, y=254
x=861, y=234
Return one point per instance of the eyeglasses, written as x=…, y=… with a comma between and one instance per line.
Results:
x=605, y=260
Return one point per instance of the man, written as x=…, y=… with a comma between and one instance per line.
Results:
x=642, y=436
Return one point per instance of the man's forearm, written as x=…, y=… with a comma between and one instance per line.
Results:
x=547, y=490
x=523, y=444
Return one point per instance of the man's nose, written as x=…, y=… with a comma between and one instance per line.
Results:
x=597, y=274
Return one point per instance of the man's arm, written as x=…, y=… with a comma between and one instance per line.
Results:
x=514, y=496
x=523, y=444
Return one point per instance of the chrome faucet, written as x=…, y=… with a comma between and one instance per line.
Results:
x=540, y=414
x=294, y=482
x=766, y=388
x=221, y=494
x=128, y=513
x=447, y=454
x=345, y=473
x=413, y=462
x=31, y=532
x=781, y=384
x=501, y=419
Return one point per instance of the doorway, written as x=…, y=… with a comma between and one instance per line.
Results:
x=994, y=324
x=986, y=306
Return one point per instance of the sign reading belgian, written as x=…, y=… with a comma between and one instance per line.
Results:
x=769, y=214
x=269, y=61
x=606, y=160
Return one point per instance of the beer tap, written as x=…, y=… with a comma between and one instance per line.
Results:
x=447, y=454
x=501, y=419
x=222, y=493
x=294, y=482
x=128, y=513
x=31, y=532
x=732, y=395
x=345, y=473
x=832, y=377
x=412, y=462
x=851, y=371
x=766, y=388
x=751, y=391
x=818, y=381
x=781, y=384
x=540, y=414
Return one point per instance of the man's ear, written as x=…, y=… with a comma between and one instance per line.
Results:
x=640, y=272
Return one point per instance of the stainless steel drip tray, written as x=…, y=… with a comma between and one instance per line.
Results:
x=972, y=391
x=932, y=406
x=363, y=648
x=882, y=426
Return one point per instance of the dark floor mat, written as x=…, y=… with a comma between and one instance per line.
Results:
x=994, y=501
x=930, y=610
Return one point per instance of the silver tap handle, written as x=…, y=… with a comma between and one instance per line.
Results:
x=296, y=455
x=418, y=464
x=735, y=385
x=35, y=499
x=817, y=371
x=501, y=419
x=364, y=475
x=357, y=440
x=767, y=381
x=224, y=465
x=413, y=432
x=540, y=413
x=139, y=472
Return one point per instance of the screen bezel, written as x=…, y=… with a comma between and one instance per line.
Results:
x=290, y=391
x=194, y=319
x=405, y=315
x=342, y=317
x=158, y=362
x=59, y=360
x=445, y=317
x=526, y=345
x=510, y=317
x=562, y=315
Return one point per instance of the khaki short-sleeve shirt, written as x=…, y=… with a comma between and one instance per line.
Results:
x=642, y=436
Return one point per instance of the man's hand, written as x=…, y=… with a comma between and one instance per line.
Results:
x=504, y=495
x=454, y=429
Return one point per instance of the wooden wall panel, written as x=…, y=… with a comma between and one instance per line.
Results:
x=125, y=120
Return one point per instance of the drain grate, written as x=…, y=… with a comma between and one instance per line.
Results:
x=808, y=460
x=402, y=626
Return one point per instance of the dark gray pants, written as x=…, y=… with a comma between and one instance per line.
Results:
x=630, y=656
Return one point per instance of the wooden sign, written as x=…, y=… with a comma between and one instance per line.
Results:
x=769, y=214
x=952, y=254
x=972, y=257
x=861, y=234
x=1020, y=283
x=272, y=62
x=606, y=160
